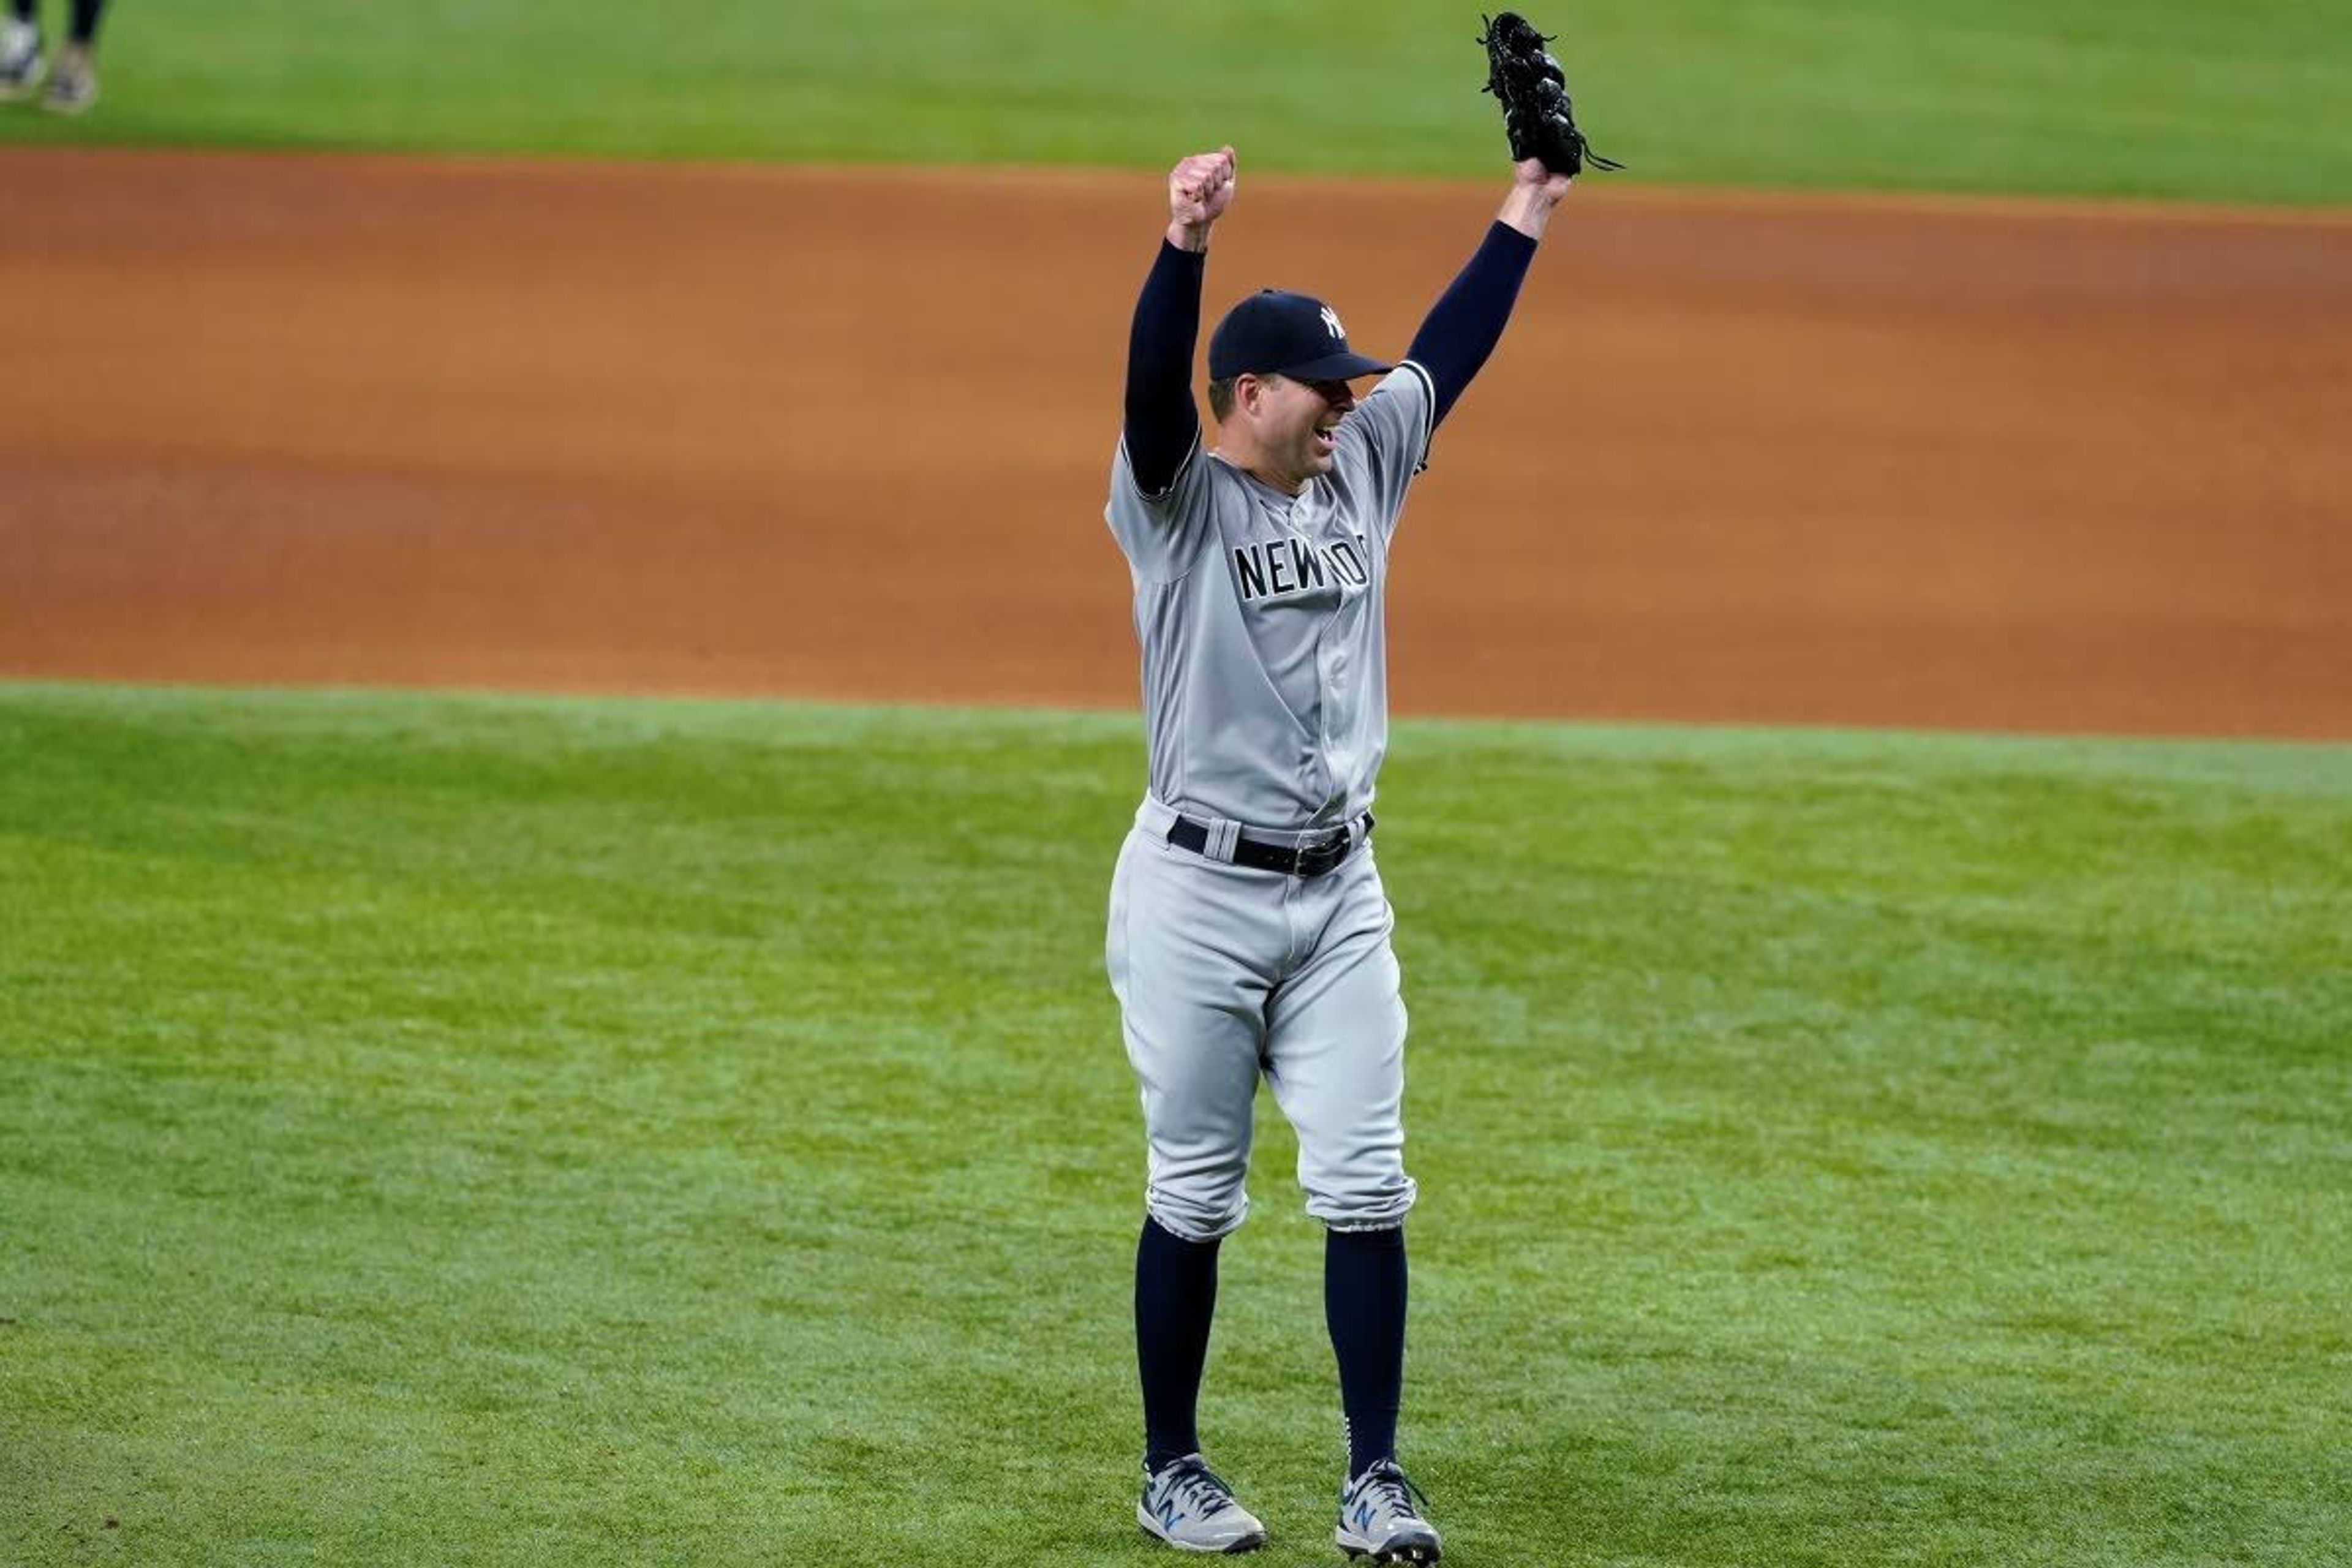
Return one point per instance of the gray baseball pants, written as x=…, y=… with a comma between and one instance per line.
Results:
x=1224, y=972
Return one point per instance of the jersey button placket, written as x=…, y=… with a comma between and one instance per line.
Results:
x=1330, y=666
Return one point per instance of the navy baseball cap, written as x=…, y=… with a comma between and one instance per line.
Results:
x=1275, y=333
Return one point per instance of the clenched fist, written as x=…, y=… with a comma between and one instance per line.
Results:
x=1200, y=189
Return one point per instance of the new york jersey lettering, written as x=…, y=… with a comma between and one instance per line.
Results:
x=1278, y=568
x=1258, y=615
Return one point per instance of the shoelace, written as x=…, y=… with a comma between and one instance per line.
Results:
x=1197, y=1486
x=1397, y=1489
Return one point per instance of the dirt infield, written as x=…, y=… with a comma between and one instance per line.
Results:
x=844, y=434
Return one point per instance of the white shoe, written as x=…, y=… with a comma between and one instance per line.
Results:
x=73, y=82
x=20, y=57
x=1377, y=1516
x=1186, y=1505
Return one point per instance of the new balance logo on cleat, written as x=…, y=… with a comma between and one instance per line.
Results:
x=1187, y=1505
x=1378, y=1518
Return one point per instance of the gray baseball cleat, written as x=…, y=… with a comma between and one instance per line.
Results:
x=73, y=82
x=20, y=59
x=1377, y=1516
x=1185, y=1504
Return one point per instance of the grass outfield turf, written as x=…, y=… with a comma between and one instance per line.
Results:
x=503, y=1132
x=2250, y=102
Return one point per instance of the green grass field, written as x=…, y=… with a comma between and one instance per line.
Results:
x=500, y=1131
x=496, y=1132
x=2168, y=98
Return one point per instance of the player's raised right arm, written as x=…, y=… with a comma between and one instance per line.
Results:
x=1161, y=422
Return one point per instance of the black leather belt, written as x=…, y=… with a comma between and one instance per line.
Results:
x=1311, y=858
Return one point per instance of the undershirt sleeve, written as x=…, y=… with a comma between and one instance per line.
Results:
x=1162, y=426
x=1462, y=328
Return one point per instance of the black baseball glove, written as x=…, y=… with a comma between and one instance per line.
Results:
x=1535, y=113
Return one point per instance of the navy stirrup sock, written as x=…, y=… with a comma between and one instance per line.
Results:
x=1363, y=1302
x=1175, y=1296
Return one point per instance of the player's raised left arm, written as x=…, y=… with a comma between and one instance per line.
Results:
x=1535, y=192
x=1462, y=328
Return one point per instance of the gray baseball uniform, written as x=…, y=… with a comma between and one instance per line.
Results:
x=1265, y=700
x=1249, y=934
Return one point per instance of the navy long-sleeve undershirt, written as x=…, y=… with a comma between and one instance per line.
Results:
x=1453, y=345
x=1462, y=328
x=1161, y=422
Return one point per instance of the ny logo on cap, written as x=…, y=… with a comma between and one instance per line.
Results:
x=1331, y=323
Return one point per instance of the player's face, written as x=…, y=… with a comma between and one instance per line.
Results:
x=1298, y=422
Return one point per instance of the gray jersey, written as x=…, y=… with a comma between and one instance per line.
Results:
x=1260, y=620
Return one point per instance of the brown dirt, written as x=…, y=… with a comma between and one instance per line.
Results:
x=844, y=433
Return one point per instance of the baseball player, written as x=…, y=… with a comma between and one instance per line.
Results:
x=1249, y=931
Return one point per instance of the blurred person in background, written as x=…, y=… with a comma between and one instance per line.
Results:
x=73, y=80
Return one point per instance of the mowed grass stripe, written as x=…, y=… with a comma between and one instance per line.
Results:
x=502, y=1131
x=2164, y=98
